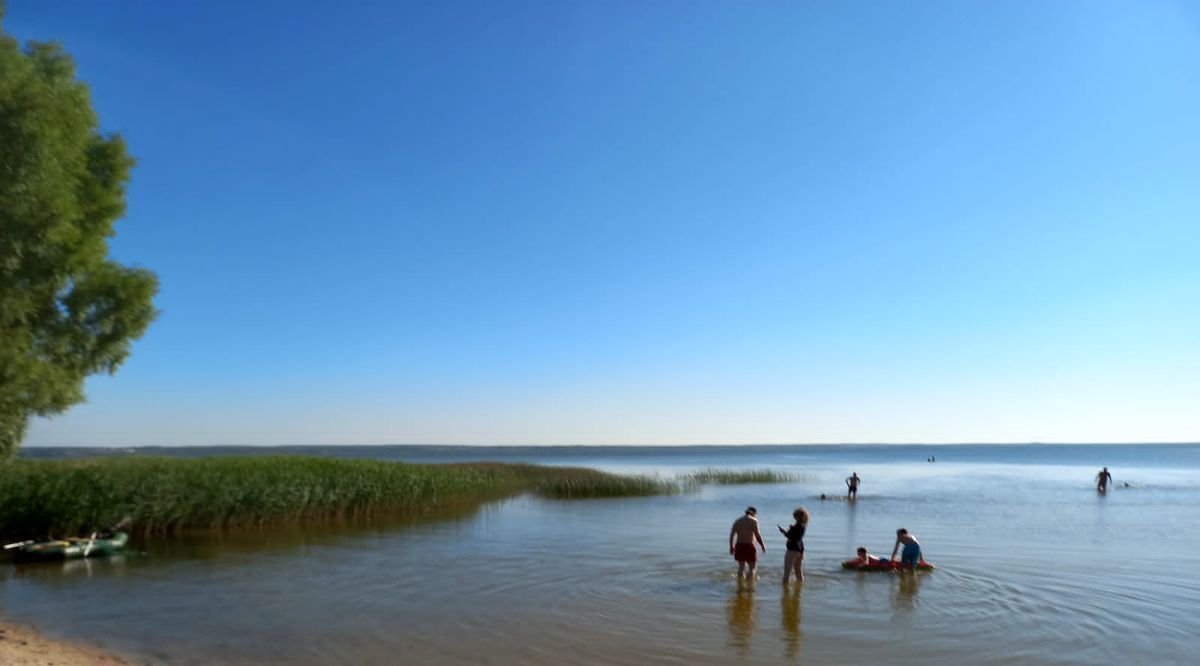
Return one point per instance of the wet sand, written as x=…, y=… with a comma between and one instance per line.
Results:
x=22, y=646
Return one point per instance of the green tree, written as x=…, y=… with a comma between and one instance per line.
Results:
x=66, y=310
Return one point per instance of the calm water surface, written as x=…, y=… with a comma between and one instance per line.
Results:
x=1034, y=567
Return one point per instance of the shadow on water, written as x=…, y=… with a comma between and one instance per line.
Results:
x=739, y=611
x=790, y=617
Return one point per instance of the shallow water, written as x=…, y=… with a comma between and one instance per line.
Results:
x=1034, y=567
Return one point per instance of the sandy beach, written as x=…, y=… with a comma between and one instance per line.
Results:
x=22, y=646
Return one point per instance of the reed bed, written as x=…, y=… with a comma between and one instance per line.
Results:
x=601, y=484
x=737, y=476
x=575, y=482
x=165, y=495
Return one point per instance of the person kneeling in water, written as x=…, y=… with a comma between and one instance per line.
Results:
x=912, y=549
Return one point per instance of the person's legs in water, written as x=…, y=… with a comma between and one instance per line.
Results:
x=910, y=555
x=746, y=556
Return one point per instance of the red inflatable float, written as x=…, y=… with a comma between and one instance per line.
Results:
x=856, y=564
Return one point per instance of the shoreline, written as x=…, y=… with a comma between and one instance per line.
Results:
x=22, y=645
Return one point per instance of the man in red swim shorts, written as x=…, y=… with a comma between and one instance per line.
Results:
x=741, y=542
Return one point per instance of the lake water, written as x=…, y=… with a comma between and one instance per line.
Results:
x=1034, y=567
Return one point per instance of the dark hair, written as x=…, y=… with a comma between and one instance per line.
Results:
x=862, y=549
x=901, y=531
x=751, y=510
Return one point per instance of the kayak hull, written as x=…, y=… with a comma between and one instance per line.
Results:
x=71, y=549
x=884, y=566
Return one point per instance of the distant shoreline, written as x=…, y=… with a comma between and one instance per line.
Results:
x=50, y=451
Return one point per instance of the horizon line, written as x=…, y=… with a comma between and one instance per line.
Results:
x=611, y=445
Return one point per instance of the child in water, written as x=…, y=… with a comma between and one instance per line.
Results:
x=865, y=558
x=912, y=549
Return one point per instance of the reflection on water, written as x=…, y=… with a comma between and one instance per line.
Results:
x=789, y=615
x=206, y=544
x=850, y=545
x=739, y=612
x=62, y=572
x=909, y=583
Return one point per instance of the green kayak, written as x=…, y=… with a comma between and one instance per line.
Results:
x=70, y=549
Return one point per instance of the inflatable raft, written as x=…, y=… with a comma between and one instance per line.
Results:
x=855, y=564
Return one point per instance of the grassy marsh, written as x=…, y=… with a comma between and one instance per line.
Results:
x=165, y=495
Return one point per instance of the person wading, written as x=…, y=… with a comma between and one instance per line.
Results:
x=793, y=560
x=852, y=482
x=742, y=536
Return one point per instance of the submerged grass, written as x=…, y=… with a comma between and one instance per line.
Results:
x=576, y=482
x=163, y=495
x=600, y=484
x=736, y=476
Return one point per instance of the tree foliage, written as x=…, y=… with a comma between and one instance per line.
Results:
x=66, y=310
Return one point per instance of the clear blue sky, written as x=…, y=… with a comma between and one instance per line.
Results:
x=662, y=222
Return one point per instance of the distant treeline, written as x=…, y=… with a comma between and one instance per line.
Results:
x=164, y=495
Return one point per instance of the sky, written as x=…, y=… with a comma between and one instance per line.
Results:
x=649, y=223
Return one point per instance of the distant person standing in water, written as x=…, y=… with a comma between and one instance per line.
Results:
x=852, y=482
x=741, y=542
x=912, y=549
x=1103, y=479
x=793, y=559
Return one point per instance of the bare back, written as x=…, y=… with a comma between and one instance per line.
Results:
x=745, y=529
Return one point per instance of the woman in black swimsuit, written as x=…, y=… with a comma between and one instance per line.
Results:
x=793, y=560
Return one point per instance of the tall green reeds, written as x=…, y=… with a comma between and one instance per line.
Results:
x=39, y=498
x=600, y=484
x=164, y=494
x=735, y=476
